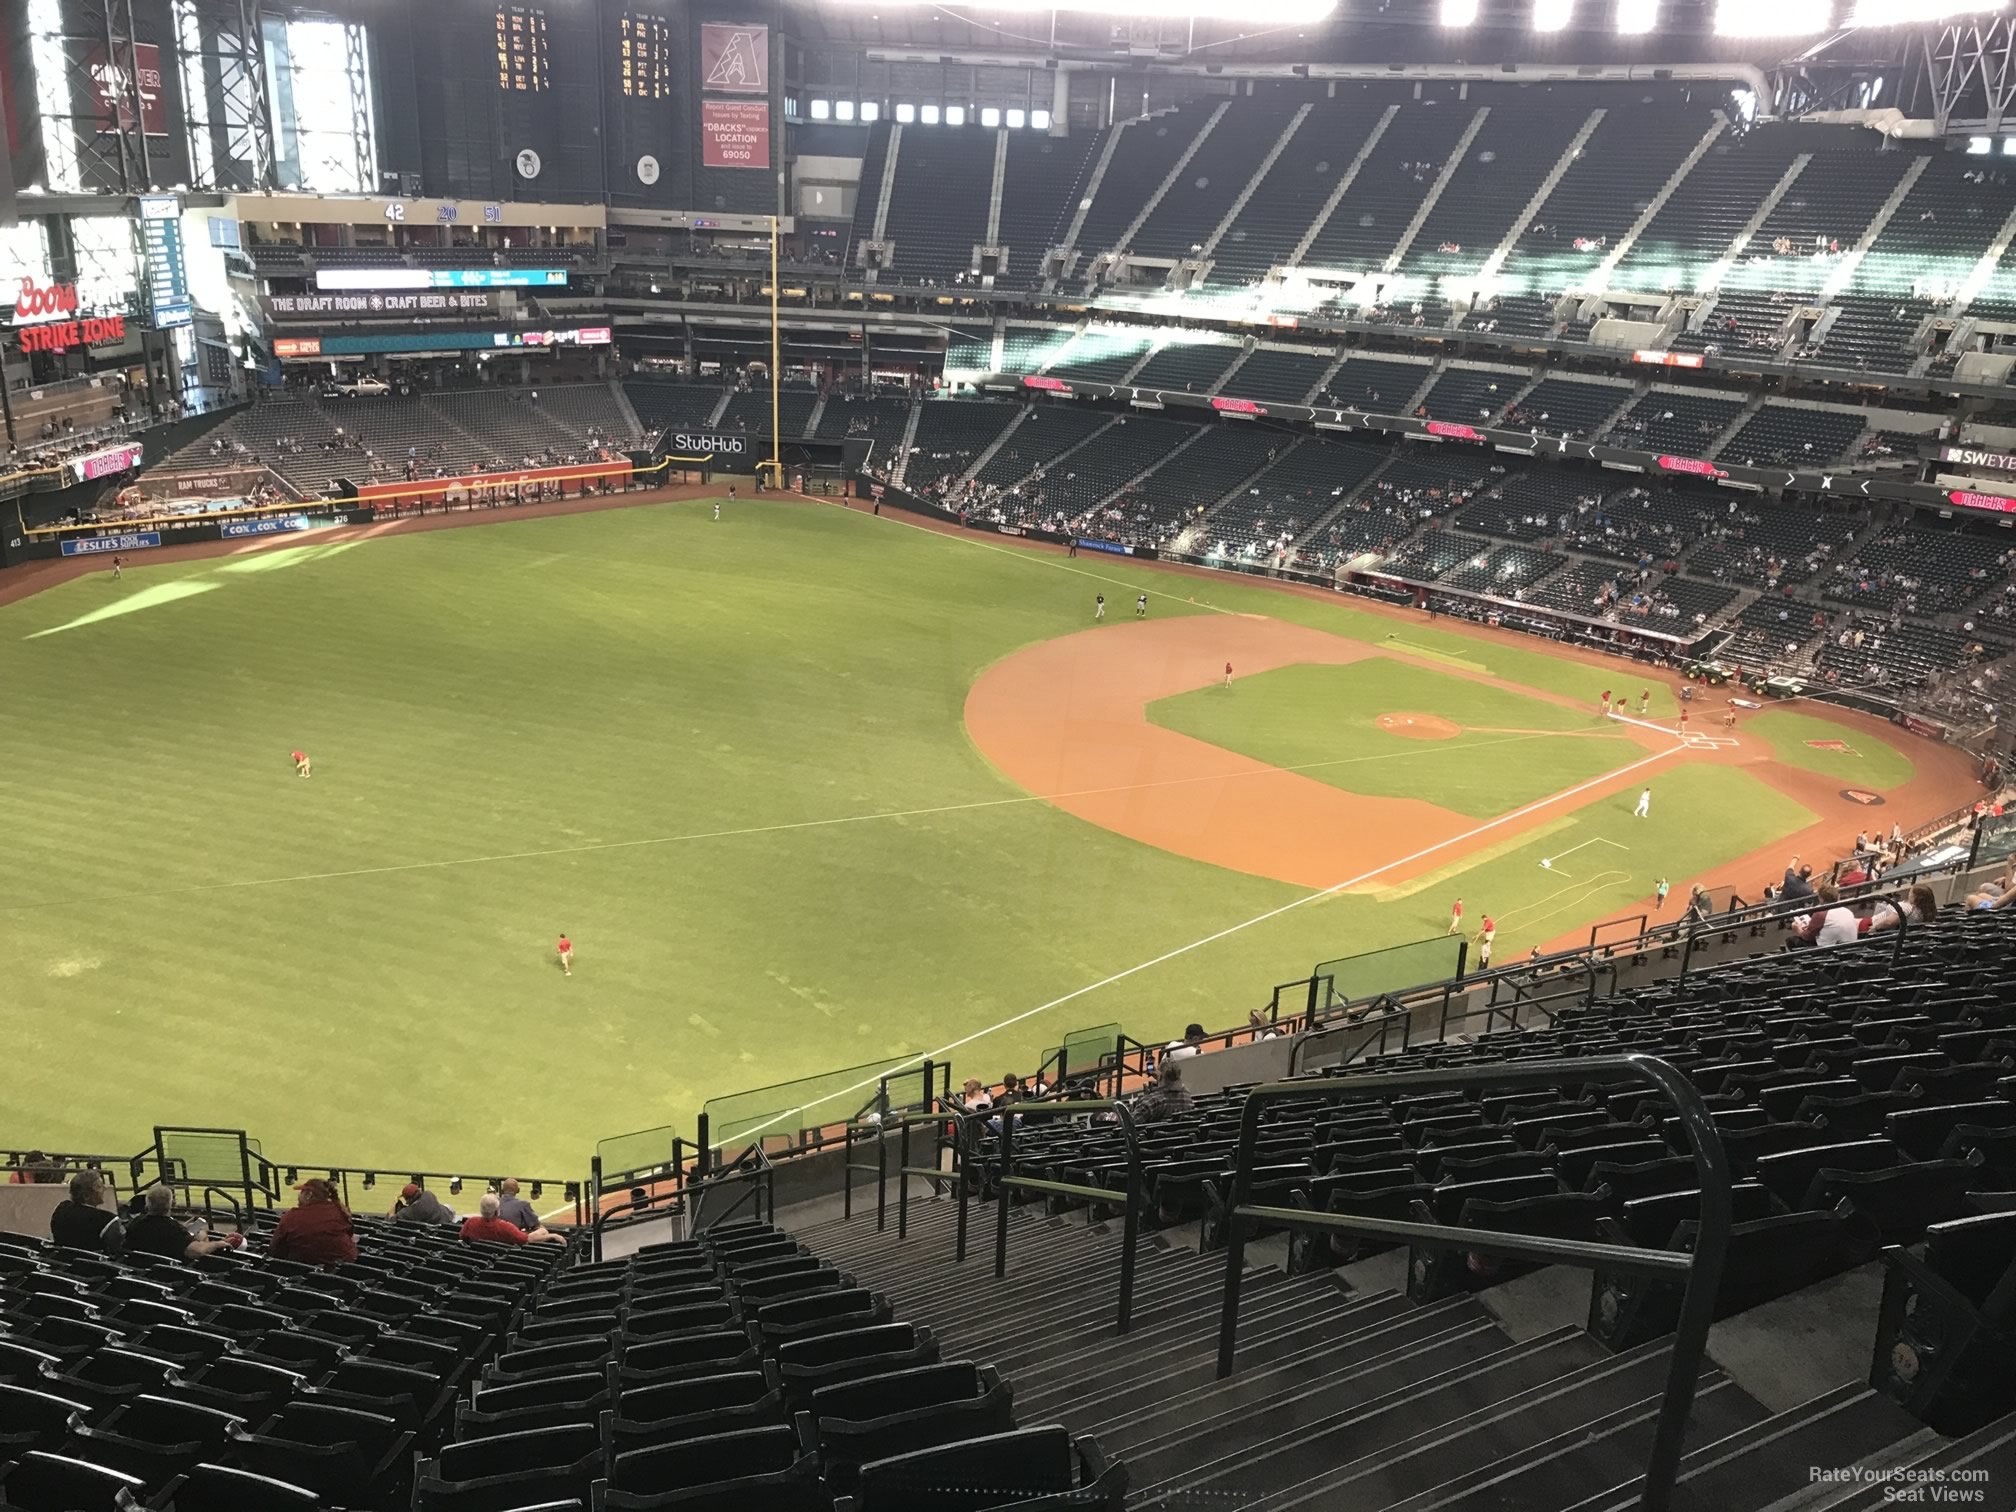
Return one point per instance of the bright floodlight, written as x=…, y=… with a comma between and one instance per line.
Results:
x=1917, y=12
x=1458, y=12
x=1636, y=17
x=1552, y=15
x=1782, y=18
x=1255, y=12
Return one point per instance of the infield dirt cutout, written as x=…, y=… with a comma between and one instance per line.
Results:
x=1067, y=718
x=1418, y=726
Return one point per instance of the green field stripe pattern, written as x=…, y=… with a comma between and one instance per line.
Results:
x=1866, y=761
x=543, y=685
x=1514, y=748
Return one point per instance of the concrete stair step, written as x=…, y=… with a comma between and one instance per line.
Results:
x=1284, y=1358
x=1761, y=1464
x=1373, y=1401
x=1611, y=1450
x=1152, y=1362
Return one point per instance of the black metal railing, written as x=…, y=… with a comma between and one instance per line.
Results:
x=1700, y=1271
x=752, y=1170
x=1007, y=1183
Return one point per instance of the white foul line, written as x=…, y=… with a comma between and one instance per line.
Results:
x=749, y=830
x=1211, y=939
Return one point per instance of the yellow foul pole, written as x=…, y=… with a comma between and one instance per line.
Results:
x=776, y=422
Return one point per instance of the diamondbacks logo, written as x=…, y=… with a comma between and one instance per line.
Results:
x=1863, y=796
x=1840, y=746
x=735, y=59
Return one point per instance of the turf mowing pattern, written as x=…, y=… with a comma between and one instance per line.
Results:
x=1514, y=749
x=726, y=757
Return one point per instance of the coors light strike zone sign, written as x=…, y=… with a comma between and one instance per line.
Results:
x=48, y=320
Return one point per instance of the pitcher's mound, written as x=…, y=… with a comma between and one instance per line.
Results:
x=1419, y=726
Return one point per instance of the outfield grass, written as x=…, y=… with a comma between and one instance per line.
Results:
x=1869, y=762
x=727, y=757
x=1323, y=721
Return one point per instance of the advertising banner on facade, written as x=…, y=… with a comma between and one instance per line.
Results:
x=735, y=133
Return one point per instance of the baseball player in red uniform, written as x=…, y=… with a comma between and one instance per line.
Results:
x=1455, y=917
x=1606, y=701
x=1228, y=674
x=301, y=764
x=566, y=949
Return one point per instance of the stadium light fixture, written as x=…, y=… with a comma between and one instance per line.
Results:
x=1636, y=17
x=1458, y=12
x=1785, y=18
x=1918, y=12
x=1253, y=12
x=1552, y=15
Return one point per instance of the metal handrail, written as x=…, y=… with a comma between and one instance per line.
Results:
x=690, y=1193
x=1008, y=1182
x=1701, y=1270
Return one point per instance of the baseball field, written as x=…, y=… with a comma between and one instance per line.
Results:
x=807, y=789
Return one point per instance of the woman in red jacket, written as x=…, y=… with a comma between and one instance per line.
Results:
x=316, y=1231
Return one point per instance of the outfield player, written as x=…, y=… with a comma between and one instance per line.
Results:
x=1141, y=607
x=1644, y=809
x=301, y=763
x=1455, y=918
x=1645, y=701
x=566, y=949
x=717, y=509
x=1606, y=703
x=1098, y=608
x=1228, y=674
x=118, y=569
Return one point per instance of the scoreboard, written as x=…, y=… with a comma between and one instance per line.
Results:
x=644, y=55
x=524, y=57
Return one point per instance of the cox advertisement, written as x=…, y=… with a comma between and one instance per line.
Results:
x=271, y=525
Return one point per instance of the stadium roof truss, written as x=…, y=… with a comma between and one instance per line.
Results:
x=1967, y=70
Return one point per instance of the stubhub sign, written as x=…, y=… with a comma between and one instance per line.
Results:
x=729, y=451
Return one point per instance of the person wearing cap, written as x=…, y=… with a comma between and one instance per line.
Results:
x=418, y=1205
x=317, y=1229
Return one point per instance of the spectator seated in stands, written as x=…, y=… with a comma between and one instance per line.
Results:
x=83, y=1221
x=159, y=1232
x=2000, y=893
x=418, y=1205
x=37, y=1169
x=490, y=1229
x=515, y=1209
x=1168, y=1098
x=1920, y=904
x=1831, y=923
x=973, y=1096
x=1191, y=1044
x=1798, y=882
x=317, y=1229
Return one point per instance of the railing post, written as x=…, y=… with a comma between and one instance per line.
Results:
x=1131, y=1229
x=1007, y=1149
x=706, y=1151
x=1311, y=1007
x=925, y=1102
x=903, y=1183
x=962, y=1150
x=847, y=1173
x=1235, y=1234
x=882, y=1170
